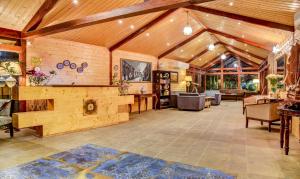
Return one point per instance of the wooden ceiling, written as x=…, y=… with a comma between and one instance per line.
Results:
x=246, y=28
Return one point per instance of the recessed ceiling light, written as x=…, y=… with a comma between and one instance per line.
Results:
x=120, y=22
x=28, y=43
x=75, y=2
x=147, y=34
x=181, y=50
x=247, y=50
x=211, y=47
x=243, y=36
x=239, y=23
x=231, y=3
x=223, y=56
x=245, y=45
x=131, y=26
x=192, y=55
x=207, y=15
x=168, y=44
x=200, y=58
x=172, y=20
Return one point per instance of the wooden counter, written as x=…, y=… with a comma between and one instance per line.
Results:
x=65, y=108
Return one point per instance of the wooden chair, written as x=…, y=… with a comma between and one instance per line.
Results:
x=264, y=111
x=6, y=115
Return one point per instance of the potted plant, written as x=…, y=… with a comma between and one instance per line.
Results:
x=275, y=82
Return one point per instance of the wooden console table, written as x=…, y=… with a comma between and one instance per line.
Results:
x=285, y=118
x=140, y=96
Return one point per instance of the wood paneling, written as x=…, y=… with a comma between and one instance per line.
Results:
x=66, y=112
x=107, y=34
x=15, y=14
x=209, y=56
x=281, y=11
x=53, y=51
x=166, y=34
x=265, y=36
x=251, y=58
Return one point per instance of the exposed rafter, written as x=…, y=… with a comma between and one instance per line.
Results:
x=141, y=30
x=247, y=19
x=180, y=44
x=119, y=13
x=39, y=15
x=10, y=34
x=243, y=40
x=201, y=53
x=212, y=61
x=243, y=51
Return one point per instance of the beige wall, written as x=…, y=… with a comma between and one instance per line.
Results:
x=53, y=51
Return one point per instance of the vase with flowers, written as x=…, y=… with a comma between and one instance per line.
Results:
x=275, y=83
x=122, y=84
x=38, y=78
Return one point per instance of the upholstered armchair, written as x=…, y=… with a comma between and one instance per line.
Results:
x=264, y=112
x=191, y=101
x=5, y=115
x=216, y=95
x=257, y=99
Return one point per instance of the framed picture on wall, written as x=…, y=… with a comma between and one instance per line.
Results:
x=174, y=77
x=136, y=71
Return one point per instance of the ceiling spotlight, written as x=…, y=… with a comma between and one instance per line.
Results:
x=168, y=44
x=235, y=65
x=231, y=3
x=223, y=56
x=148, y=34
x=239, y=23
x=181, y=50
x=131, y=26
x=243, y=36
x=120, y=22
x=75, y=2
x=187, y=30
x=28, y=43
x=171, y=20
x=211, y=47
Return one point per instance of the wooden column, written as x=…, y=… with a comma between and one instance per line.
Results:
x=22, y=78
x=239, y=73
x=222, y=74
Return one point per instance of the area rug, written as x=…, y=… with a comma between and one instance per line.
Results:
x=91, y=161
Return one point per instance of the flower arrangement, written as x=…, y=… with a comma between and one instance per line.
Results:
x=123, y=84
x=38, y=78
x=275, y=82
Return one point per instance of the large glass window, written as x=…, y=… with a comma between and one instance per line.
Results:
x=248, y=83
x=213, y=82
x=230, y=81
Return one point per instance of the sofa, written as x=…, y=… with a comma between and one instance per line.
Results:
x=190, y=101
x=232, y=94
x=174, y=96
x=216, y=95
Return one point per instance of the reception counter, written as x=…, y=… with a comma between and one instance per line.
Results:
x=72, y=108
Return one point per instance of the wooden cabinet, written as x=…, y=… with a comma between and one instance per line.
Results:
x=162, y=88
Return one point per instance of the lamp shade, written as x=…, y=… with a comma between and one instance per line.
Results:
x=188, y=78
x=11, y=81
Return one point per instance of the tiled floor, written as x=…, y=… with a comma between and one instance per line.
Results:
x=213, y=138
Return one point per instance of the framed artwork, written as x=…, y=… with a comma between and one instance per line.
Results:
x=174, y=77
x=136, y=71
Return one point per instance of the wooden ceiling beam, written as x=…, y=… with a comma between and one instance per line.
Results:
x=250, y=62
x=243, y=51
x=39, y=15
x=180, y=44
x=141, y=30
x=243, y=40
x=119, y=13
x=9, y=34
x=247, y=19
x=10, y=48
x=201, y=53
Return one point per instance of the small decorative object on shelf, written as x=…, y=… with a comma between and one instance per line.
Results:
x=162, y=88
x=38, y=78
x=294, y=91
x=142, y=90
x=123, y=85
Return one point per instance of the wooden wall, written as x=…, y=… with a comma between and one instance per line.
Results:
x=53, y=51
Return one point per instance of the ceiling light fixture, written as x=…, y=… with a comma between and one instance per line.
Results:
x=211, y=47
x=223, y=56
x=75, y=2
x=120, y=21
x=148, y=34
x=187, y=30
x=231, y=3
x=131, y=26
x=168, y=44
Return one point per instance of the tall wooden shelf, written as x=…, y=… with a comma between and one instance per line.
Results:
x=162, y=88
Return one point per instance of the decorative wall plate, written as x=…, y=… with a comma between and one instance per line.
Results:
x=84, y=65
x=66, y=62
x=73, y=66
x=79, y=70
x=116, y=67
x=60, y=66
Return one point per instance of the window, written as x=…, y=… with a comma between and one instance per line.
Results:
x=213, y=82
x=230, y=81
x=248, y=84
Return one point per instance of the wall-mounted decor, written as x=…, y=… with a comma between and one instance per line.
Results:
x=89, y=107
x=174, y=77
x=72, y=66
x=116, y=68
x=136, y=71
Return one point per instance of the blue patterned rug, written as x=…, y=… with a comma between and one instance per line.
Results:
x=90, y=161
